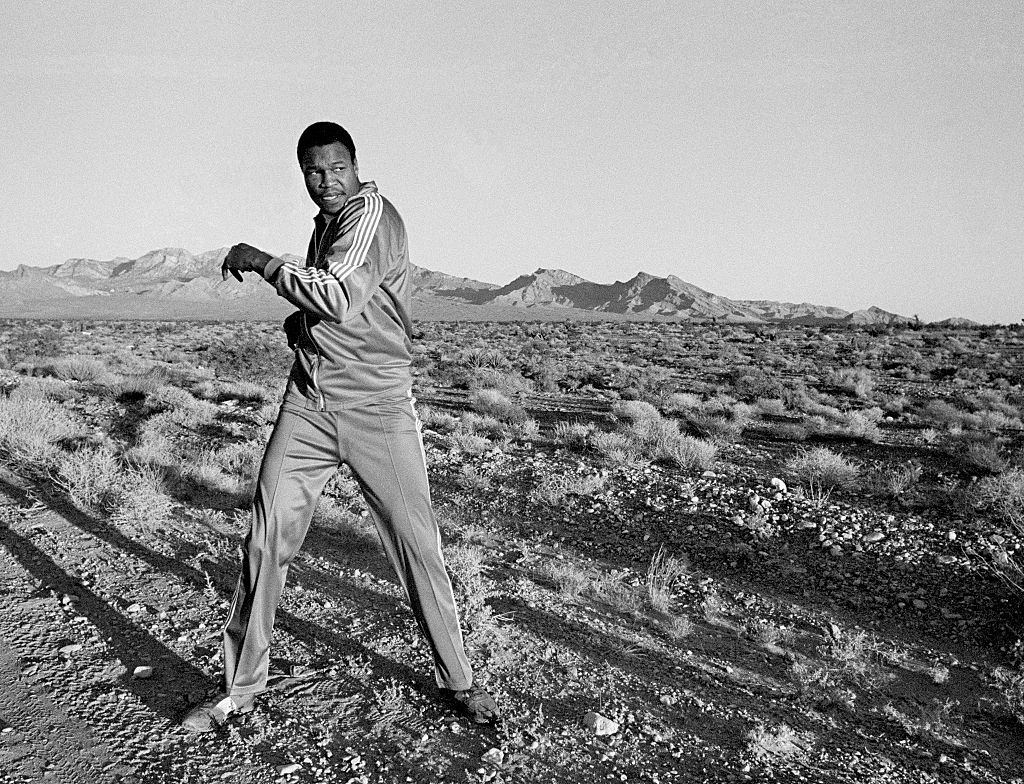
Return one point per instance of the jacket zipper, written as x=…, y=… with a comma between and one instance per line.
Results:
x=321, y=402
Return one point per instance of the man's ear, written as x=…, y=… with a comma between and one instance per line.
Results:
x=355, y=167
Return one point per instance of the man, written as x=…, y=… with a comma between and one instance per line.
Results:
x=348, y=400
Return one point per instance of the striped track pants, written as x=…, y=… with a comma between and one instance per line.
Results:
x=381, y=443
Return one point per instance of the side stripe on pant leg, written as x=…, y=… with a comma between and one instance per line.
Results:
x=437, y=528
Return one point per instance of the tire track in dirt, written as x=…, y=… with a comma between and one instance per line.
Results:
x=77, y=714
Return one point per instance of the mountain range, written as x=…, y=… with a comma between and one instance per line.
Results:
x=172, y=283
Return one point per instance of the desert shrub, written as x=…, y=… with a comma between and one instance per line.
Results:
x=771, y=406
x=250, y=356
x=823, y=468
x=207, y=473
x=441, y=421
x=31, y=428
x=465, y=564
x=660, y=439
x=689, y=452
x=79, y=368
x=718, y=428
x=681, y=403
x=985, y=455
x=781, y=742
x=153, y=445
x=166, y=397
x=858, y=381
x=663, y=573
x=480, y=423
x=1004, y=496
x=527, y=430
x=848, y=424
x=509, y=383
x=943, y=414
x=242, y=458
x=995, y=401
x=141, y=499
x=244, y=392
x=897, y=481
x=858, y=656
x=471, y=478
x=1010, y=683
x=47, y=389
x=89, y=476
x=137, y=387
x=546, y=373
x=496, y=404
x=751, y=383
x=605, y=442
x=479, y=357
x=470, y=443
x=573, y=435
x=635, y=411
x=570, y=579
x=554, y=489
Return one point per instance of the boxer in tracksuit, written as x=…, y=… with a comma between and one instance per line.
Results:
x=348, y=400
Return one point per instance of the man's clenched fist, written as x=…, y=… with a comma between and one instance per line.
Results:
x=244, y=258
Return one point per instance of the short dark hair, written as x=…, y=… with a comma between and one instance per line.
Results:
x=320, y=134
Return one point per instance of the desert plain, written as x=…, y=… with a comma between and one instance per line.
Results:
x=684, y=552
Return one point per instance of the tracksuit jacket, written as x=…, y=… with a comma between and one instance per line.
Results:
x=352, y=334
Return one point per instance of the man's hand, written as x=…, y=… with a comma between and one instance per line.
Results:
x=244, y=258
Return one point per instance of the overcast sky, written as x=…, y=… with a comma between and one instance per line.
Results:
x=843, y=153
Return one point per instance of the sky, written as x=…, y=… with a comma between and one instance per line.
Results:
x=842, y=153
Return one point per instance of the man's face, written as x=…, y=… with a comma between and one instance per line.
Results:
x=331, y=176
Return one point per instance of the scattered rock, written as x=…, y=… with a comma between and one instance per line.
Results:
x=494, y=757
x=142, y=672
x=601, y=725
x=67, y=650
x=779, y=485
x=920, y=604
x=874, y=536
x=289, y=769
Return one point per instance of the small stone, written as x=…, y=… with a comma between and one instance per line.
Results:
x=874, y=536
x=287, y=770
x=494, y=757
x=951, y=536
x=920, y=604
x=142, y=672
x=67, y=650
x=601, y=725
x=779, y=485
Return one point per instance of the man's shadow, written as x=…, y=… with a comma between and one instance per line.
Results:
x=133, y=645
x=126, y=642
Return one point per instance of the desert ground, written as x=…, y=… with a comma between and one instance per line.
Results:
x=683, y=552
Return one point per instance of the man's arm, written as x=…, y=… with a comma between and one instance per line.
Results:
x=353, y=272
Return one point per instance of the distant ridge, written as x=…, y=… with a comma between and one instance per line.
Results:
x=172, y=283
